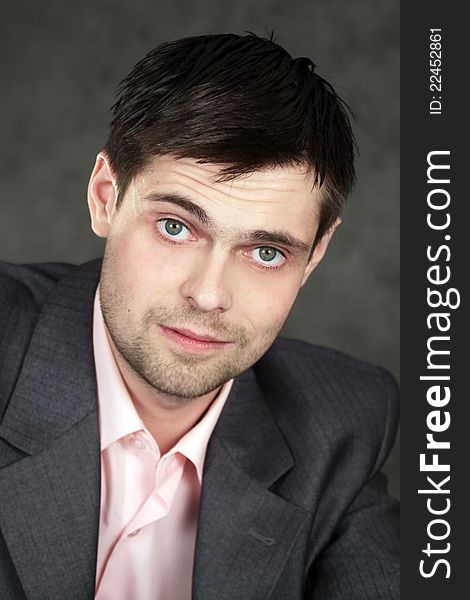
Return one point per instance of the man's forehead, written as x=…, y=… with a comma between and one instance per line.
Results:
x=263, y=184
x=280, y=188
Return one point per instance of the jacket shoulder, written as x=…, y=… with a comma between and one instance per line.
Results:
x=300, y=365
x=23, y=290
x=25, y=287
x=315, y=391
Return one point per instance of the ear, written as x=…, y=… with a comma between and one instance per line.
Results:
x=319, y=251
x=102, y=196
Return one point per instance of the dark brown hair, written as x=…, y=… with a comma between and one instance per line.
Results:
x=241, y=101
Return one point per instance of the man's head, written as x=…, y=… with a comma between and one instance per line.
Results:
x=218, y=190
x=239, y=101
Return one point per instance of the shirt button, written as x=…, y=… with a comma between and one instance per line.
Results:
x=134, y=533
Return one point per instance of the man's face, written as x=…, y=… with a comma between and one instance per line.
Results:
x=198, y=275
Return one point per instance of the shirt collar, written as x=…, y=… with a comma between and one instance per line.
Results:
x=194, y=443
x=118, y=416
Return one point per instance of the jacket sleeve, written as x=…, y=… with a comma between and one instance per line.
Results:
x=361, y=560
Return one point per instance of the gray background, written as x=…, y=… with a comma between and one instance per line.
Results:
x=61, y=61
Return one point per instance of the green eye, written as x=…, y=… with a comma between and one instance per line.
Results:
x=172, y=228
x=268, y=256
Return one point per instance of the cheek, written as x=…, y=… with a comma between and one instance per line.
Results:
x=144, y=270
x=266, y=306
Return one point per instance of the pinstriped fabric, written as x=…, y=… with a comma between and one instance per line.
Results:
x=349, y=423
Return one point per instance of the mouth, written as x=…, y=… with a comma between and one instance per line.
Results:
x=192, y=341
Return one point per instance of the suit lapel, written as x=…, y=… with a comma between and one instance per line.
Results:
x=49, y=516
x=245, y=532
x=49, y=510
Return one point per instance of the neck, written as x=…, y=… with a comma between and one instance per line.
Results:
x=167, y=421
x=167, y=418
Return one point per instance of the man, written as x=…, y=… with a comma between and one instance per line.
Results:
x=158, y=441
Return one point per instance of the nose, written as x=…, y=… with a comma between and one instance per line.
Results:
x=207, y=287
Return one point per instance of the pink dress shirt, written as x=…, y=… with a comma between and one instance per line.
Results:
x=149, y=502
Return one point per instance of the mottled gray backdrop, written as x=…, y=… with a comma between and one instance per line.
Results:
x=60, y=63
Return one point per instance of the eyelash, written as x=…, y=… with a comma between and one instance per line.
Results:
x=247, y=253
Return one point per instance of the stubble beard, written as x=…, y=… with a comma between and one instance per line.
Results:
x=180, y=376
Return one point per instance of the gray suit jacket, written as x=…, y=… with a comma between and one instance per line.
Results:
x=292, y=504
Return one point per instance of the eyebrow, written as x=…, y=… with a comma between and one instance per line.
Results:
x=181, y=201
x=274, y=237
x=262, y=236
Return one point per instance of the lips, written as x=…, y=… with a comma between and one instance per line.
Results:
x=191, y=341
x=196, y=336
